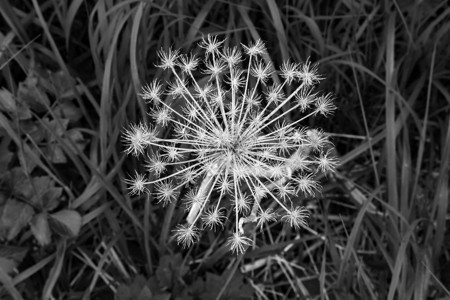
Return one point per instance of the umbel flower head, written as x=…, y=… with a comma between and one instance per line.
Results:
x=230, y=146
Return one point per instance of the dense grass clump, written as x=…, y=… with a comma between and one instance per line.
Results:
x=79, y=219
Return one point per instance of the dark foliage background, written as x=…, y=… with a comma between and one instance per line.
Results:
x=70, y=75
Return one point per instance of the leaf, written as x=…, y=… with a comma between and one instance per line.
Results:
x=123, y=292
x=77, y=139
x=168, y=268
x=72, y=138
x=31, y=93
x=55, y=153
x=7, y=103
x=28, y=160
x=8, y=265
x=54, y=128
x=5, y=158
x=68, y=110
x=197, y=287
x=153, y=284
x=40, y=229
x=7, y=283
x=10, y=178
x=66, y=222
x=13, y=107
x=51, y=198
x=14, y=216
x=60, y=83
x=163, y=296
x=11, y=257
x=237, y=289
x=137, y=285
x=22, y=186
x=13, y=252
x=144, y=294
x=32, y=130
x=40, y=191
x=136, y=290
x=164, y=272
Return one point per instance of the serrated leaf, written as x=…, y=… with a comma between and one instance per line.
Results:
x=32, y=130
x=11, y=257
x=40, y=229
x=197, y=287
x=5, y=158
x=66, y=222
x=38, y=185
x=13, y=252
x=13, y=107
x=55, y=153
x=60, y=83
x=236, y=289
x=51, y=198
x=7, y=265
x=30, y=93
x=169, y=266
x=163, y=296
x=12, y=177
x=54, y=128
x=6, y=282
x=144, y=294
x=3, y=200
x=68, y=110
x=40, y=191
x=77, y=139
x=28, y=160
x=14, y=216
x=123, y=292
x=73, y=138
x=7, y=103
x=136, y=290
x=153, y=284
x=43, y=184
x=136, y=286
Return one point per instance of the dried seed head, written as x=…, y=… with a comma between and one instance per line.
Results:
x=236, y=132
x=239, y=243
x=186, y=235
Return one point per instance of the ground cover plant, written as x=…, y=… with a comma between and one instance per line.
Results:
x=73, y=74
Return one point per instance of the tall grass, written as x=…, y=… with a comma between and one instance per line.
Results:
x=377, y=231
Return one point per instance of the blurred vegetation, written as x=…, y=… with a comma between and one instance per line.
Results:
x=70, y=75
